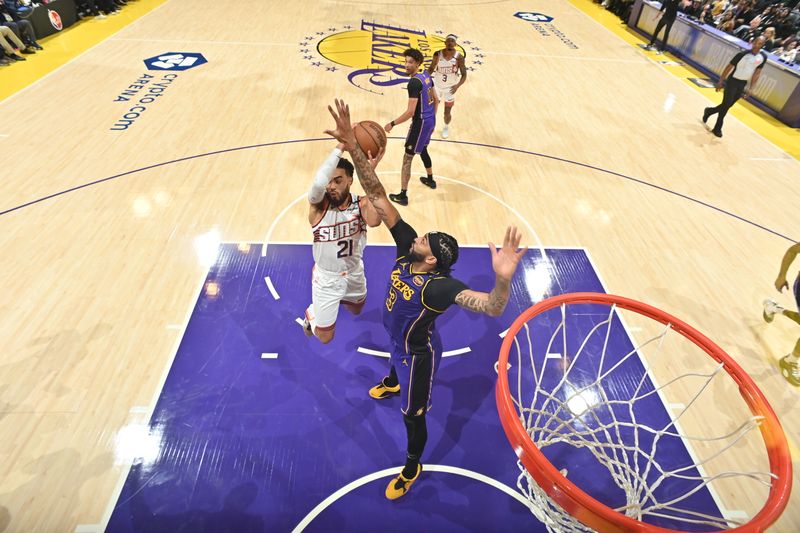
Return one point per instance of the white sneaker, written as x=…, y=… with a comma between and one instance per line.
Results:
x=446, y=132
x=770, y=308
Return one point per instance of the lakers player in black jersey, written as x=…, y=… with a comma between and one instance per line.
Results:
x=420, y=289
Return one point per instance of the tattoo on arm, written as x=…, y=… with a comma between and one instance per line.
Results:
x=492, y=303
x=366, y=174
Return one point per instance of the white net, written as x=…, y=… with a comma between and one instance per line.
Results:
x=585, y=392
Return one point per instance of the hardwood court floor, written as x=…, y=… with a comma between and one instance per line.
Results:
x=594, y=147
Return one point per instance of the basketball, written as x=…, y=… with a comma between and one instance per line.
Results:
x=370, y=137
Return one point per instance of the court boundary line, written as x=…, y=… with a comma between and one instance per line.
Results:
x=574, y=4
x=116, y=492
x=726, y=513
x=467, y=143
x=369, y=478
x=69, y=61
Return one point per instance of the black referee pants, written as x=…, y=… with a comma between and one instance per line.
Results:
x=734, y=89
x=663, y=21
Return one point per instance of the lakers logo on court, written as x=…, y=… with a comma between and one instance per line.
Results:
x=371, y=54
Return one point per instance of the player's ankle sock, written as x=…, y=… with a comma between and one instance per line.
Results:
x=391, y=380
x=403, y=192
x=430, y=176
x=412, y=464
x=791, y=358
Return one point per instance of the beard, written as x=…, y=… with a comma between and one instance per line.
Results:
x=416, y=257
x=335, y=202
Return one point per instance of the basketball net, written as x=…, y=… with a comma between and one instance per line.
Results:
x=569, y=398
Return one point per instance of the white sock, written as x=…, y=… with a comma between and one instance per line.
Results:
x=791, y=358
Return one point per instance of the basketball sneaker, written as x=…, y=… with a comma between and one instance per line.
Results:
x=381, y=391
x=770, y=308
x=400, y=485
x=790, y=371
x=399, y=198
x=428, y=182
x=446, y=131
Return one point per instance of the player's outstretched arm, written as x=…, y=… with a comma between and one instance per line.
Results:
x=366, y=174
x=504, y=264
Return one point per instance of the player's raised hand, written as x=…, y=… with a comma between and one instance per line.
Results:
x=344, y=129
x=505, y=261
x=373, y=161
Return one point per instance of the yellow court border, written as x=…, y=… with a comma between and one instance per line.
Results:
x=769, y=127
x=66, y=45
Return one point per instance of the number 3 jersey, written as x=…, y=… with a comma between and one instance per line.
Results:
x=339, y=237
x=447, y=73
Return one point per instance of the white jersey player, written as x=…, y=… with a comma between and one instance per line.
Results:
x=449, y=73
x=339, y=221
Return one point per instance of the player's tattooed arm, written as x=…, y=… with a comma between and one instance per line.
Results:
x=364, y=169
x=489, y=303
x=504, y=264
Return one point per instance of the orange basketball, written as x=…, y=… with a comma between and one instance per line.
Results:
x=370, y=137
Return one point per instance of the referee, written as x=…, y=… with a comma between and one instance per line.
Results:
x=745, y=66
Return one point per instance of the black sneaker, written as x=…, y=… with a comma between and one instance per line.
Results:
x=718, y=133
x=28, y=50
x=706, y=114
x=16, y=57
x=429, y=182
x=401, y=198
x=37, y=46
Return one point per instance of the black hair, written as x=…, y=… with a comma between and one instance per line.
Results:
x=444, y=248
x=414, y=54
x=347, y=166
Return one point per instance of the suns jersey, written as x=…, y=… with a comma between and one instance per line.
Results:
x=340, y=237
x=447, y=73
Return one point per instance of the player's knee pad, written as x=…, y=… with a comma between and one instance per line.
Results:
x=409, y=150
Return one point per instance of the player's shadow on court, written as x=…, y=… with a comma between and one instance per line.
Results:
x=40, y=374
x=49, y=470
x=233, y=515
x=467, y=395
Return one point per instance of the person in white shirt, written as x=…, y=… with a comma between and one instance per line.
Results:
x=449, y=73
x=745, y=67
x=339, y=221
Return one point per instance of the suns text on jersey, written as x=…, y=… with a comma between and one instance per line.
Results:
x=339, y=231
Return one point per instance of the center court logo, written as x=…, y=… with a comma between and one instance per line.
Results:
x=372, y=54
x=175, y=61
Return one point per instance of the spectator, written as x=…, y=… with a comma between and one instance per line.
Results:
x=11, y=43
x=769, y=39
x=788, y=53
x=727, y=22
x=9, y=16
